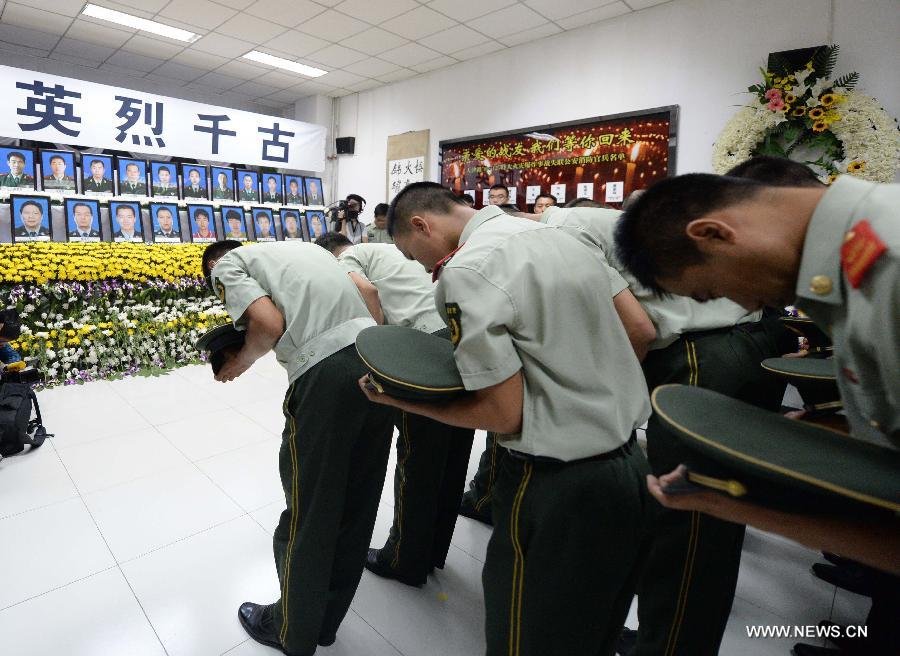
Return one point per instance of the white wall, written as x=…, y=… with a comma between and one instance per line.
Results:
x=699, y=54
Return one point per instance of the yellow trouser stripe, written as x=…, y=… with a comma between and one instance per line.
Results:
x=518, y=583
x=295, y=515
x=686, y=575
x=487, y=494
x=398, y=511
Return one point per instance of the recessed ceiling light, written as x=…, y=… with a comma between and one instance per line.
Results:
x=137, y=23
x=286, y=64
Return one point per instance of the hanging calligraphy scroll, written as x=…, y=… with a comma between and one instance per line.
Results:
x=406, y=160
x=603, y=158
x=58, y=109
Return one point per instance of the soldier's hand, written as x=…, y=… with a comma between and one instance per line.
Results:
x=233, y=367
x=367, y=385
x=707, y=502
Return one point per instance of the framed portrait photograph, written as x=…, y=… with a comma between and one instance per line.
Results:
x=247, y=186
x=292, y=225
x=316, y=224
x=203, y=224
x=126, y=221
x=273, y=188
x=233, y=222
x=97, y=175
x=83, y=220
x=222, y=181
x=164, y=220
x=263, y=224
x=313, y=189
x=163, y=180
x=293, y=190
x=30, y=218
x=58, y=170
x=193, y=181
x=132, y=177
x=17, y=168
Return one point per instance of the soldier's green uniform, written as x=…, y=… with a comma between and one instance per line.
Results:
x=570, y=504
x=23, y=181
x=66, y=182
x=223, y=194
x=168, y=190
x=378, y=235
x=862, y=319
x=335, y=443
x=590, y=230
x=89, y=184
x=686, y=593
x=432, y=458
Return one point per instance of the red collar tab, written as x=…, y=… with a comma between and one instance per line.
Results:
x=861, y=249
x=436, y=271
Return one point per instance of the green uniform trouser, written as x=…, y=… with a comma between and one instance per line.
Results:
x=333, y=459
x=478, y=496
x=688, y=585
x=564, y=557
x=432, y=461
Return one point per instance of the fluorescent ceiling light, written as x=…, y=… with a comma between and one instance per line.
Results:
x=128, y=20
x=286, y=64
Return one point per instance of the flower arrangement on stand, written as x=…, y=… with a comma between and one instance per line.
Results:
x=808, y=116
x=93, y=311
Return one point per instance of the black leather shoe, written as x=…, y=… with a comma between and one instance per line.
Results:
x=327, y=641
x=258, y=622
x=376, y=567
x=627, y=642
x=853, y=577
x=467, y=509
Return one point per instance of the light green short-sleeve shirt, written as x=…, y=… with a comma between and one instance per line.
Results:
x=672, y=316
x=863, y=321
x=378, y=235
x=522, y=295
x=404, y=287
x=323, y=311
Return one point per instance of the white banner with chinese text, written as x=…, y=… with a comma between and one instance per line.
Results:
x=402, y=172
x=65, y=110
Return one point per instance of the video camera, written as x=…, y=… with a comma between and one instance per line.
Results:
x=350, y=208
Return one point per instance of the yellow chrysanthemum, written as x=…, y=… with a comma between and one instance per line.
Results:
x=828, y=99
x=816, y=113
x=853, y=167
x=790, y=98
x=832, y=178
x=798, y=111
x=820, y=126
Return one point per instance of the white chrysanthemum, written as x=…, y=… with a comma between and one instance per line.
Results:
x=741, y=135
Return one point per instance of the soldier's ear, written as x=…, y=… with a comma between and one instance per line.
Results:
x=710, y=232
x=419, y=224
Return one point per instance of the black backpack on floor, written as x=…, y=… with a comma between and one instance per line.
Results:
x=17, y=428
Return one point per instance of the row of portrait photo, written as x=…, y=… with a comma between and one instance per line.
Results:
x=33, y=219
x=107, y=175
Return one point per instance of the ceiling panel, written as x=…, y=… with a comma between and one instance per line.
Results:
x=418, y=23
x=454, y=39
x=363, y=44
x=377, y=11
x=288, y=14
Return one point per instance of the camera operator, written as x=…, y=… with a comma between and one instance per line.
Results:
x=347, y=222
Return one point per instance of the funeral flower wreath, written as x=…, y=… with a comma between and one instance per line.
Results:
x=807, y=116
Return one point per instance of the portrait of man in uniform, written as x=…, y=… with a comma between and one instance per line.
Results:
x=97, y=178
x=17, y=168
x=203, y=228
x=82, y=220
x=315, y=221
x=233, y=222
x=164, y=217
x=272, y=192
x=249, y=187
x=314, y=195
x=30, y=218
x=132, y=177
x=223, y=183
x=193, y=181
x=126, y=221
x=290, y=226
x=57, y=170
x=263, y=224
x=294, y=190
x=163, y=184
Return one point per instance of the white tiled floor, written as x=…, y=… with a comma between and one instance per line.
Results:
x=147, y=520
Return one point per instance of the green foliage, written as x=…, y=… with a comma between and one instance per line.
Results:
x=824, y=61
x=847, y=81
